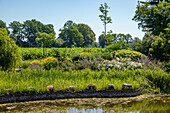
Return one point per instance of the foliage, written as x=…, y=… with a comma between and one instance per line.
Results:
x=45, y=39
x=102, y=40
x=134, y=55
x=88, y=34
x=72, y=37
x=2, y=24
x=162, y=46
x=144, y=45
x=153, y=18
x=48, y=59
x=117, y=46
x=75, y=35
x=58, y=42
x=9, y=52
x=17, y=33
x=25, y=33
x=104, y=16
x=109, y=38
x=25, y=64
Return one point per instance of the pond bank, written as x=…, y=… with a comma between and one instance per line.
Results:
x=93, y=102
x=63, y=94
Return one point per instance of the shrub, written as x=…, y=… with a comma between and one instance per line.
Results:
x=51, y=64
x=107, y=55
x=25, y=64
x=117, y=46
x=119, y=63
x=134, y=55
x=9, y=52
x=80, y=56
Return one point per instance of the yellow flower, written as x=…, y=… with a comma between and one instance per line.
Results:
x=35, y=62
x=49, y=59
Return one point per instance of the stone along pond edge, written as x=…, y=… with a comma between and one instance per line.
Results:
x=66, y=94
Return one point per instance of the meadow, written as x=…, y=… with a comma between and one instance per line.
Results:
x=64, y=67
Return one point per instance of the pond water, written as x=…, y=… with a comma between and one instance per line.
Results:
x=153, y=104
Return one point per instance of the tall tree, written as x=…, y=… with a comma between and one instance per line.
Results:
x=104, y=16
x=78, y=35
x=16, y=32
x=72, y=37
x=153, y=18
x=88, y=34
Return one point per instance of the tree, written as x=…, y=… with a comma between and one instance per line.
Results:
x=137, y=44
x=31, y=27
x=69, y=23
x=109, y=38
x=128, y=38
x=153, y=18
x=17, y=33
x=136, y=39
x=161, y=47
x=45, y=39
x=76, y=35
x=58, y=42
x=102, y=41
x=121, y=36
x=9, y=52
x=88, y=34
x=2, y=24
x=146, y=43
x=104, y=16
x=72, y=37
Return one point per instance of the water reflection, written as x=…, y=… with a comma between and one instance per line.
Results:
x=146, y=105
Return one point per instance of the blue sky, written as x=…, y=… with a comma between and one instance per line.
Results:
x=57, y=12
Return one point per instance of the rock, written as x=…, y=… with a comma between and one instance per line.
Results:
x=18, y=69
x=91, y=87
x=30, y=88
x=129, y=86
x=50, y=87
x=72, y=88
x=9, y=90
x=111, y=87
x=124, y=86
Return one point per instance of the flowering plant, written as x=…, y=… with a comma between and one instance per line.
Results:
x=120, y=63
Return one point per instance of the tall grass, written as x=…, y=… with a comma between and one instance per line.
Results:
x=39, y=79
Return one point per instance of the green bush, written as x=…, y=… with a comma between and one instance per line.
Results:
x=9, y=52
x=117, y=46
x=134, y=55
x=51, y=64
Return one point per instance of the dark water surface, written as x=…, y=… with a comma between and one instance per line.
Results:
x=141, y=104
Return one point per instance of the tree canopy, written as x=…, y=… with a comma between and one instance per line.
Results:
x=153, y=18
x=76, y=35
x=25, y=33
